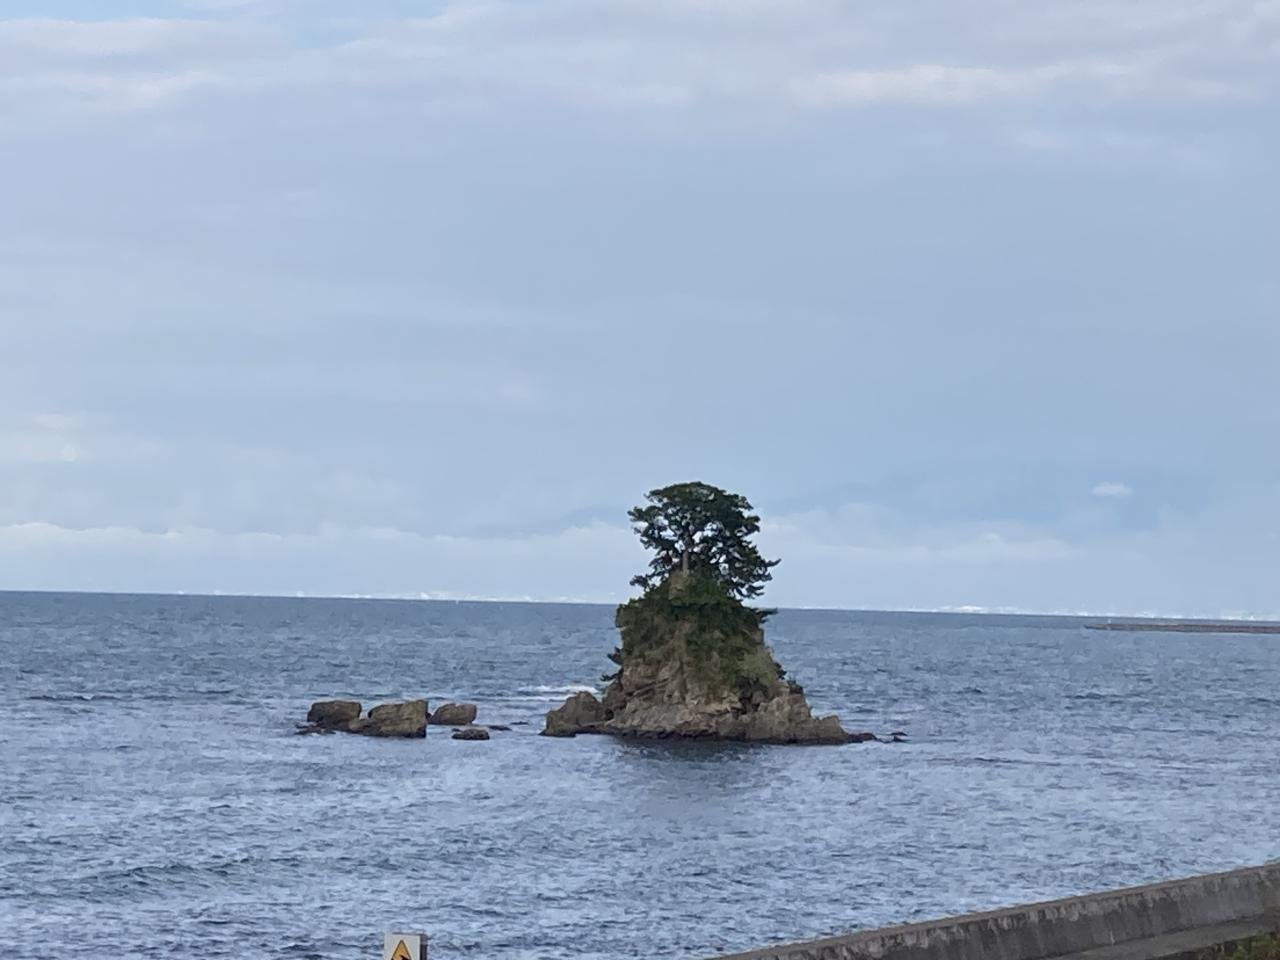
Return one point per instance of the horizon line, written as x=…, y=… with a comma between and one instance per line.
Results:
x=973, y=611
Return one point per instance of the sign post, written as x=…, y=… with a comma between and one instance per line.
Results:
x=404, y=946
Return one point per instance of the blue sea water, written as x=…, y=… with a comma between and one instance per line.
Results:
x=154, y=800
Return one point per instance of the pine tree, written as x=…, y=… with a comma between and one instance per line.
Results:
x=705, y=531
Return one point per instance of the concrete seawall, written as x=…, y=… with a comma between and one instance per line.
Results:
x=1180, y=918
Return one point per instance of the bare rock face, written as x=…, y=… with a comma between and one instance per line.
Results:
x=693, y=664
x=581, y=713
x=471, y=733
x=407, y=719
x=333, y=714
x=453, y=715
x=786, y=718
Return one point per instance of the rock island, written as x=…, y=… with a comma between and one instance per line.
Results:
x=693, y=661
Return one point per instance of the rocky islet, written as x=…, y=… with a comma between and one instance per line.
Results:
x=693, y=664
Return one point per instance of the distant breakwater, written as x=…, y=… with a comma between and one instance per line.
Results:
x=1186, y=626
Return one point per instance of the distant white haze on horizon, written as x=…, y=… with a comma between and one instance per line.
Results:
x=586, y=601
x=419, y=299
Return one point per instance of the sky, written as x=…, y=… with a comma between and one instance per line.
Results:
x=978, y=303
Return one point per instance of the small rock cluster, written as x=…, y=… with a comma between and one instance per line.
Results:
x=409, y=718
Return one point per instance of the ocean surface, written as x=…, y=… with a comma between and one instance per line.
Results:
x=154, y=800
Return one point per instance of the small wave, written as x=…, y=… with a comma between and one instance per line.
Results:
x=199, y=874
x=564, y=691
x=544, y=693
x=188, y=696
x=1011, y=761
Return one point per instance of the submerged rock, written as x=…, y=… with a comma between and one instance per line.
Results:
x=693, y=664
x=453, y=715
x=471, y=733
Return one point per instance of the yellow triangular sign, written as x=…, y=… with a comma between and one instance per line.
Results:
x=401, y=952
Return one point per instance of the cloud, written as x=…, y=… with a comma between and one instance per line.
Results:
x=41, y=438
x=1112, y=489
x=35, y=448
x=940, y=85
x=869, y=556
x=335, y=560
x=64, y=438
x=124, y=39
x=58, y=71
x=858, y=555
x=56, y=422
x=619, y=56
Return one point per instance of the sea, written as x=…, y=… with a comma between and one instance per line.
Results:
x=156, y=802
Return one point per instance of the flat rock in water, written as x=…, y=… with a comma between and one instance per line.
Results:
x=471, y=733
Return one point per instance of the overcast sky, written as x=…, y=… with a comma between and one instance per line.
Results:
x=978, y=302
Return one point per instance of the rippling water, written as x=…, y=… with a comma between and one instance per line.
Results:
x=153, y=799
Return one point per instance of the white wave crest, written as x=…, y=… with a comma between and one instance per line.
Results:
x=564, y=691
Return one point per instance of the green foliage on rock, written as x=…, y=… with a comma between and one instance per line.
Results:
x=720, y=635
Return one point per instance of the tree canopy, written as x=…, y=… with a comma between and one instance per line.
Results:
x=705, y=531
